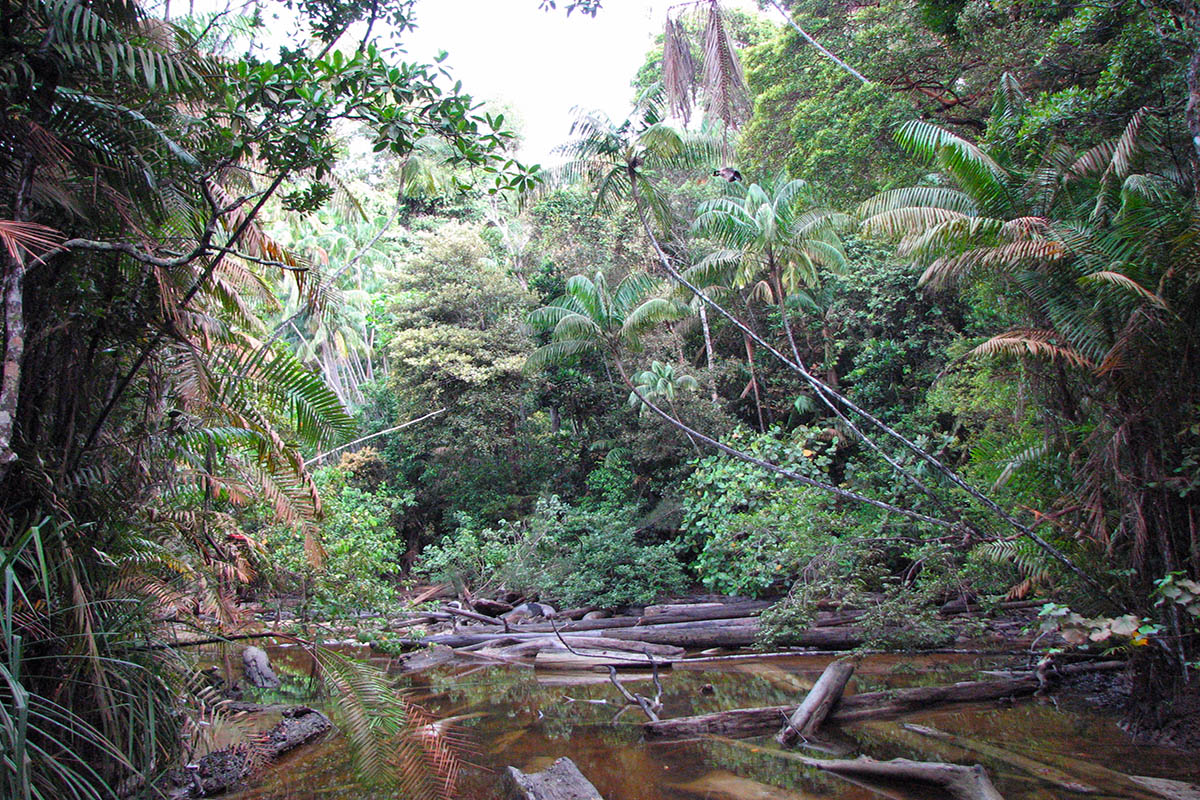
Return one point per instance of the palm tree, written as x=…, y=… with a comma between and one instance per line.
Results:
x=617, y=159
x=775, y=240
x=1097, y=253
x=613, y=159
x=659, y=383
x=589, y=317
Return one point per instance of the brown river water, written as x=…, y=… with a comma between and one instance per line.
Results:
x=513, y=715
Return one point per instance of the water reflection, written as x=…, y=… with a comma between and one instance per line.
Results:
x=527, y=719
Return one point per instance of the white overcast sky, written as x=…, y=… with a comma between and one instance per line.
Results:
x=542, y=63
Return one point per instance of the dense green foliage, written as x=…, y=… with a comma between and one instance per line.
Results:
x=891, y=343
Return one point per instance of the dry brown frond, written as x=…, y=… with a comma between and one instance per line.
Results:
x=913, y=219
x=255, y=242
x=1024, y=253
x=679, y=70
x=1037, y=343
x=1125, y=282
x=726, y=95
x=1025, y=228
x=32, y=239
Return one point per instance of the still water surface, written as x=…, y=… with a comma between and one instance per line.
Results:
x=514, y=715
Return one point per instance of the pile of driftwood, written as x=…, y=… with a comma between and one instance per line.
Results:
x=584, y=638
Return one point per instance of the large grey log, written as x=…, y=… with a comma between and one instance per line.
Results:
x=562, y=780
x=692, y=635
x=963, y=783
x=258, y=668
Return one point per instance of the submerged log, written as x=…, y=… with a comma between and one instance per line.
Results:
x=1042, y=771
x=562, y=780
x=724, y=785
x=963, y=783
x=1165, y=787
x=1070, y=774
x=817, y=704
x=745, y=722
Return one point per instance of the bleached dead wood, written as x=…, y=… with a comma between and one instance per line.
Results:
x=593, y=660
x=817, y=704
x=963, y=783
x=744, y=722
x=562, y=780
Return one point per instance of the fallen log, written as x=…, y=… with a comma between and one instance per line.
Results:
x=824, y=619
x=694, y=612
x=222, y=770
x=493, y=608
x=1042, y=771
x=739, y=632
x=963, y=783
x=746, y=722
x=592, y=660
x=579, y=613
x=515, y=637
x=691, y=635
x=531, y=647
x=472, y=615
x=562, y=780
x=817, y=704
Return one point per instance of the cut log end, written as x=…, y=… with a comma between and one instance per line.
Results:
x=562, y=780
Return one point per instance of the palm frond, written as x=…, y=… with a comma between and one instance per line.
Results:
x=650, y=313
x=557, y=353
x=918, y=196
x=973, y=169
x=908, y=220
x=1036, y=343
x=726, y=96
x=679, y=70
x=31, y=239
x=1124, y=282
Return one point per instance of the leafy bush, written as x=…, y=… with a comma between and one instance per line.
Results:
x=361, y=547
x=747, y=531
x=574, y=555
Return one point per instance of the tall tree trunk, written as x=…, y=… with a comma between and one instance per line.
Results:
x=762, y=427
x=14, y=323
x=831, y=374
x=1192, y=111
x=708, y=353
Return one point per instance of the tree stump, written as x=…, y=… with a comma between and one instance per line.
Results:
x=258, y=668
